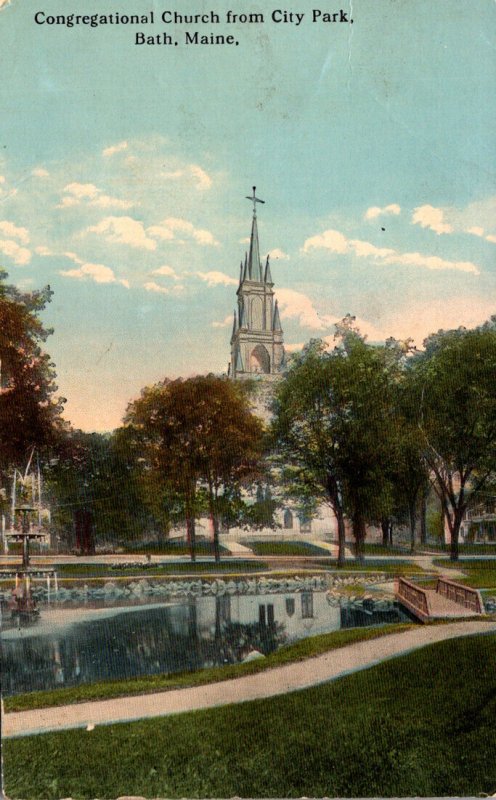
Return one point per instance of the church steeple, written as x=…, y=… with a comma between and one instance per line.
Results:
x=257, y=338
x=268, y=276
x=254, y=266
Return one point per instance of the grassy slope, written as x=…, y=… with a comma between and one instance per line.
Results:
x=143, y=570
x=287, y=549
x=422, y=724
x=478, y=574
x=306, y=648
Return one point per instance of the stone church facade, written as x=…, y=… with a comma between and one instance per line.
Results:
x=257, y=346
x=257, y=353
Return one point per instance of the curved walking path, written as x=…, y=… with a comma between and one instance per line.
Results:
x=269, y=683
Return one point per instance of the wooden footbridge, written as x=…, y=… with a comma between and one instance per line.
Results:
x=448, y=600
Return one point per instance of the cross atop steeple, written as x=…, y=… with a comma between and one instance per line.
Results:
x=254, y=200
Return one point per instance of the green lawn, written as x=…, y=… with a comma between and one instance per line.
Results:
x=390, y=567
x=154, y=570
x=465, y=549
x=172, y=547
x=419, y=725
x=478, y=574
x=306, y=648
x=275, y=548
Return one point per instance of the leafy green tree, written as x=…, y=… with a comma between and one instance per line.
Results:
x=335, y=429
x=456, y=399
x=305, y=437
x=366, y=424
x=30, y=412
x=200, y=437
x=94, y=492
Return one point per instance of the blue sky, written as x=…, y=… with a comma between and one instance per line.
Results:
x=123, y=173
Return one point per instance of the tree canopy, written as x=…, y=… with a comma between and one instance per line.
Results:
x=455, y=383
x=30, y=412
x=197, y=436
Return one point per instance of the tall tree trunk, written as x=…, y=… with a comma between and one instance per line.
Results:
x=423, y=517
x=191, y=534
x=212, y=501
x=413, y=518
x=386, y=528
x=334, y=495
x=215, y=528
x=341, y=537
x=359, y=533
x=455, y=533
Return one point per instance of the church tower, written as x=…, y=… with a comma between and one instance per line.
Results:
x=257, y=346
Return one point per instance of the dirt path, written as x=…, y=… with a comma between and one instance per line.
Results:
x=251, y=687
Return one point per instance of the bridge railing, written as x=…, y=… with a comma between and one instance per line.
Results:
x=463, y=595
x=413, y=597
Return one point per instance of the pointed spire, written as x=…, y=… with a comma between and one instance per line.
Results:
x=268, y=276
x=245, y=269
x=241, y=316
x=276, y=320
x=240, y=272
x=234, y=327
x=238, y=366
x=254, y=266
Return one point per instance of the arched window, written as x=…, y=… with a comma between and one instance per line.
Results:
x=288, y=519
x=260, y=360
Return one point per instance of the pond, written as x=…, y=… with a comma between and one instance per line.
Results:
x=71, y=646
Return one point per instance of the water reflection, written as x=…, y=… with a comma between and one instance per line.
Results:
x=200, y=632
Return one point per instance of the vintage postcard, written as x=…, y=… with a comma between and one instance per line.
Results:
x=247, y=399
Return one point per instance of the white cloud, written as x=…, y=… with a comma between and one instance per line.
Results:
x=225, y=322
x=77, y=192
x=215, y=278
x=2, y=179
x=491, y=238
x=293, y=348
x=433, y=218
x=245, y=240
x=328, y=240
x=335, y=242
x=68, y=202
x=296, y=305
x=19, y=255
x=426, y=317
x=476, y=231
x=204, y=181
x=123, y=230
x=40, y=172
x=171, y=226
x=167, y=271
x=98, y=273
x=116, y=148
x=161, y=232
x=278, y=255
x=41, y=250
x=105, y=201
x=80, y=190
x=376, y=211
x=152, y=286
x=14, y=232
x=173, y=175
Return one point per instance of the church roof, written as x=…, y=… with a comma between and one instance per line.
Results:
x=276, y=320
